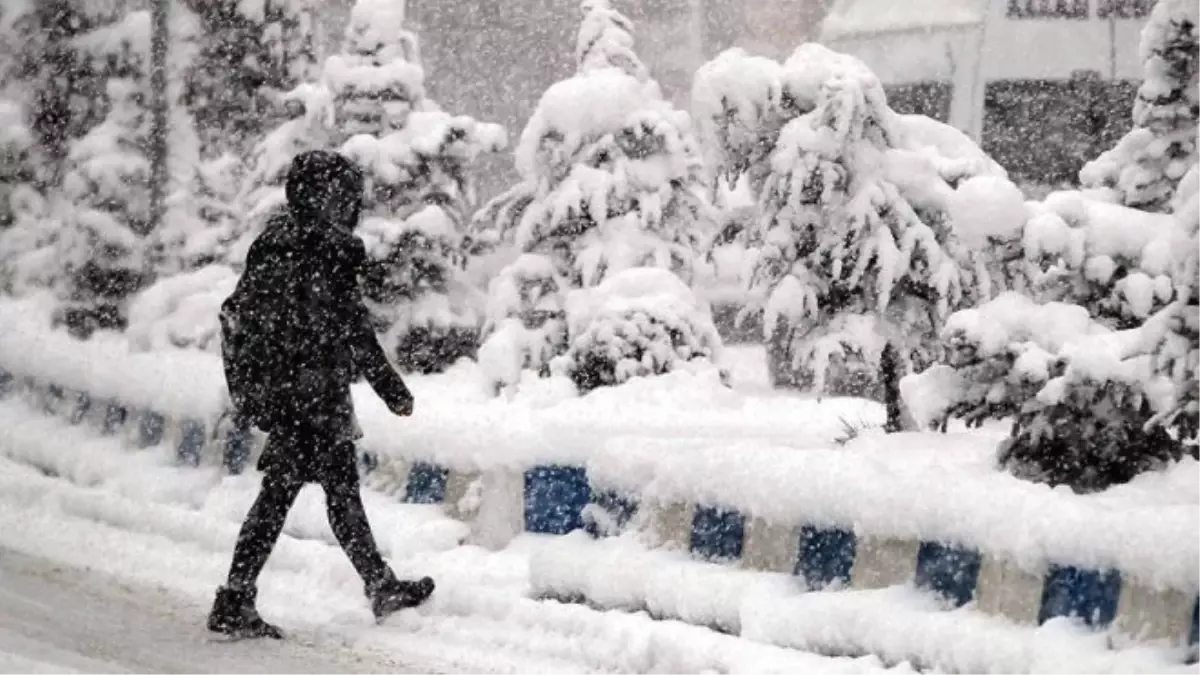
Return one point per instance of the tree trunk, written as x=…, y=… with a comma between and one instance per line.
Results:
x=159, y=106
x=56, y=69
x=889, y=367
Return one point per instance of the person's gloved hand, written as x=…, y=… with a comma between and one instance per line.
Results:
x=403, y=407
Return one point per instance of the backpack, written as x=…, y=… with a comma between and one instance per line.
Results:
x=279, y=364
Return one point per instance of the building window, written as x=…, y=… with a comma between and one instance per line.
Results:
x=1125, y=9
x=1048, y=9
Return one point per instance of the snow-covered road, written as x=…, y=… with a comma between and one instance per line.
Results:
x=60, y=619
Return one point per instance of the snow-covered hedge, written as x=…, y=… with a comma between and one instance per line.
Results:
x=181, y=311
x=640, y=322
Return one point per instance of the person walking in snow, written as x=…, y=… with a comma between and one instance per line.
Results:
x=295, y=335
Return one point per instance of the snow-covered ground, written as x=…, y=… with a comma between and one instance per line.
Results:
x=62, y=619
x=86, y=502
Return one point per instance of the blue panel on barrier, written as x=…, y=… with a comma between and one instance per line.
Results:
x=191, y=443
x=150, y=428
x=115, y=415
x=1090, y=595
x=426, y=484
x=717, y=533
x=826, y=556
x=1194, y=634
x=238, y=443
x=554, y=498
x=619, y=509
x=950, y=571
x=52, y=399
x=83, y=403
x=368, y=462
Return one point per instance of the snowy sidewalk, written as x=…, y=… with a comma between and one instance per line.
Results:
x=62, y=619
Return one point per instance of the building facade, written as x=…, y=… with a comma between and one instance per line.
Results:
x=1043, y=85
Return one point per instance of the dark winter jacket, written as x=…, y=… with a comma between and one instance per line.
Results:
x=335, y=345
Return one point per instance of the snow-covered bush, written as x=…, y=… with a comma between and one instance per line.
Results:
x=181, y=311
x=1145, y=167
x=611, y=179
x=638, y=322
x=873, y=225
x=526, y=320
x=1113, y=260
x=1098, y=371
x=16, y=168
x=425, y=310
x=1091, y=406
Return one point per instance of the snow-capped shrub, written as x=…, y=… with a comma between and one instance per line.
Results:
x=998, y=356
x=983, y=208
x=1145, y=167
x=1113, y=260
x=1098, y=369
x=637, y=323
x=16, y=169
x=415, y=283
x=1081, y=395
x=181, y=311
x=611, y=179
x=526, y=321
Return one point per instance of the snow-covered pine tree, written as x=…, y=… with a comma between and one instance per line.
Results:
x=871, y=222
x=1145, y=167
x=104, y=250
x=44, y=66
x=250, y=54
x=24, y=216
x=102, y=247
x=417, y=161
x=611, y=179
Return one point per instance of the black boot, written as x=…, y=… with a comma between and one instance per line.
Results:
x=392, y=595
x=234, y=614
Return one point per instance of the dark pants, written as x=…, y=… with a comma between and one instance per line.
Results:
x=280, y=487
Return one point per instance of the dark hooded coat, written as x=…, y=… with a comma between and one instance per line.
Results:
x=323, y=344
